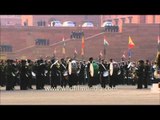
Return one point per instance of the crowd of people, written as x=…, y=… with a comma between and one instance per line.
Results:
x=71, y=72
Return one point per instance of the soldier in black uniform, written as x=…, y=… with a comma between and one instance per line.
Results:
x=10, y=74
x=147, y=74
x=64, y=73
x=40, y=74
x=2, y=74
x=140, y=74
x=23, y=75
x=113, y=69
x=55, y=74
x=72, y=70
x=103, y=76
x=82, y=74
x=90, y=78
x=30, y=69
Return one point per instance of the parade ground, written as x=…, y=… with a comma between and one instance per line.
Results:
x=122, y=95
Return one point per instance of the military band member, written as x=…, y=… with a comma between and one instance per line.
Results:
x=82, y=73
x=55, y=74
x=140, y=74
x=64, y=73
x=30, y=69
x=112, y=74
x=23, y=75
x=10, y=74
x=72, y=71
x=147, y=74
x=2, y=73
x=90, y=70
x=103, y=73
x=40, y=70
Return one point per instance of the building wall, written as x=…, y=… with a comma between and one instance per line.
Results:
x=28, y=19
x=79, y=19
x=143, y=35
x=10, y=20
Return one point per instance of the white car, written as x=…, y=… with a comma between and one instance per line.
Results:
x=56, y=23
x=107, y=23
x=68, y=24
x=88, y=24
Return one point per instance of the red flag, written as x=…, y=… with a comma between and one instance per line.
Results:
x=130, y=43
x=63, y=49
x=82, y=53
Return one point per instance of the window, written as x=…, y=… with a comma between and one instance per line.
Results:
x=130, y=19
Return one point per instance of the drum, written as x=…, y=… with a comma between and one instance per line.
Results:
x=105, y=74
x=65, y=74
x=157, y=74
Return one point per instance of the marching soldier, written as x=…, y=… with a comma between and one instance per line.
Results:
x=112, y=74
x=40, y=70
x=55, y=73
x=10, y=74
x=82, y=74
x=30, y=69
x=103, y=74
x=90, y=71
x=23, y=75
x=64, y=73
x=72, y=71
x=140, y=74
x=2, y=74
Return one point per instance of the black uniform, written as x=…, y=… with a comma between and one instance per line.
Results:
x=40, y=70
x=2, y=74
x=90, y=78
x=55, y=75
x=73, y=78
x=147, y=74
x=103, y=79
x=140, y=74
x=64, y=78
x=82, y=74
x=23, y=76
x=10, y=74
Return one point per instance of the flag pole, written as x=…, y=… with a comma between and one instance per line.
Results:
x=104, y=52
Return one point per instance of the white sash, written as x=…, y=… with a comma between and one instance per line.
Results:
x=111, y=69
x=91, y=70
x=69, y=68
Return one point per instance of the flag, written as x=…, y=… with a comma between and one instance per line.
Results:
x=158, y=46
x=100, y=54
x=123, y=56
x=82, y=53
x=105, y=41
x=158, y=40
x=55, y=51
x=129, y=53
x=75, y=51
x=130, y=43
x=63, y=49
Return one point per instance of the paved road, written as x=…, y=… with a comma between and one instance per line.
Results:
x=123, y=95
